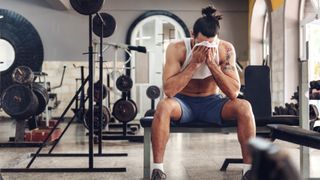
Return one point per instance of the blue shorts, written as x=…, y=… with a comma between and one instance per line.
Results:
x=205, y=109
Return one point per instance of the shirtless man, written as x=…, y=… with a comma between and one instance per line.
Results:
x=195, y=70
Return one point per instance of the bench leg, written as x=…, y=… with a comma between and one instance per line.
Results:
x=228, y=161
x=146, y=153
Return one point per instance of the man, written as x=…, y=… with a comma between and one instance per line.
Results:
x=194, y=71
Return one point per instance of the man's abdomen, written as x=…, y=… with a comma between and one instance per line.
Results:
x=203, y=87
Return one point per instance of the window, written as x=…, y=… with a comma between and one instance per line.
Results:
x=266, y=39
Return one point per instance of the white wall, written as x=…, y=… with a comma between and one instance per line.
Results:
x=291, y=63
x=65, y=33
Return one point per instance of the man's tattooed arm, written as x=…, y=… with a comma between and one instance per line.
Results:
x=226, y=66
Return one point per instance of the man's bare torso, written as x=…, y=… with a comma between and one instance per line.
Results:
x=200, y=87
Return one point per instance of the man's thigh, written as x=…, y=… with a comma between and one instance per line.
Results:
x=185, y=114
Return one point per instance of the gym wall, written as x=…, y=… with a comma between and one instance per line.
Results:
x=284, y=43
x=277, y=56
x=65, y=33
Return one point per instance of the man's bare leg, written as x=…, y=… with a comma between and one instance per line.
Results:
x=166, y=109
x=241, y=111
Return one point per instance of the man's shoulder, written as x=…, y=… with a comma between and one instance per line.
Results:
x=177, y=44
x=176, y=50
x=226, y=44
x=177, y=47
x=225, y=50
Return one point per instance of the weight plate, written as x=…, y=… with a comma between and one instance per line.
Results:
x=124, y=110
x=153, y=92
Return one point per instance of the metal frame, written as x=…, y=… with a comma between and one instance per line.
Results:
x=124, y=136
x=304, y=101
x=91, y=154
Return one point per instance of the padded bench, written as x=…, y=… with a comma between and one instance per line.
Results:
x=295, y=135
x=226, y=127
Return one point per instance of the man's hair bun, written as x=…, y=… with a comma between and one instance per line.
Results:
x=210, y=12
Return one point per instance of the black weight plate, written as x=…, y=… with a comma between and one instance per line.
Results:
x=22, y=75
x=42, y=95
x=96, y=91
x=108, y=27
x=19, y=101
x=150, y=112
x=27, y=44
x=153, y=92
x=124, y=110
x=105, y=118
x=124, y=83
x=87, y=7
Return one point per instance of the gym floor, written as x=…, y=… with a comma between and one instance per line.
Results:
x=188, y=156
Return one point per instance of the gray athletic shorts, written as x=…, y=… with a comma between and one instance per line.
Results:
x=205, y=109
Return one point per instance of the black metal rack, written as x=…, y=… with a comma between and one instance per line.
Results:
x=91, y=153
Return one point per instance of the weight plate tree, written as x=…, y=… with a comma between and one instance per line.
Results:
x=19, y=33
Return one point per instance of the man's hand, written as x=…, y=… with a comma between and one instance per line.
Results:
x=211, y=59
x=199, y=55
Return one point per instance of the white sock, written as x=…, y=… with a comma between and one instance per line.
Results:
x=246, y=167
x=157, y=166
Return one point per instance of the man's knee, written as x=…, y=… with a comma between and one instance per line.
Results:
x=243, y=107
x=164, y=108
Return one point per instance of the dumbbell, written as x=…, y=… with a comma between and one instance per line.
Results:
x=291, y=110
x=153, y=92
x=313, y=112
x=316, y=125
x=315, y=84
